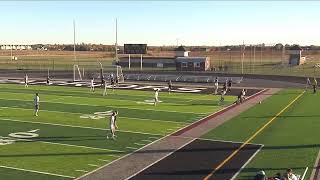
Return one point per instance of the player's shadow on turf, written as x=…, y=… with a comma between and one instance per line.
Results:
x=305, y=146
x=221, y=171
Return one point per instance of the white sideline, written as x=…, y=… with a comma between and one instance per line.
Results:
x=160, y=159
x=245, y=164
x=304, y=174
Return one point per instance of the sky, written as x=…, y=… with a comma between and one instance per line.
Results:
x=161, y=22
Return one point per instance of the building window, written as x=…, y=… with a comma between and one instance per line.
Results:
x=196, y=64
x=184, y=64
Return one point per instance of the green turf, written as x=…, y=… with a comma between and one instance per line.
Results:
x=69, y=144
x=291, y=141
x=12, y=174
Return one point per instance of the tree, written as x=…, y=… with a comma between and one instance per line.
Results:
x=278, y=46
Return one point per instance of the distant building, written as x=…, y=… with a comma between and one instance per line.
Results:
x=181, y=61
x=149, y=62
x=192, y=63
x=181, y=52
x=295, y=56
x=15, y=47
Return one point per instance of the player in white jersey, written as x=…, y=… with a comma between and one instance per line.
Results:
x=113, y=124
x=92, y=85
x=156, y=95
x=36, y=104
x=26, y=79
x=216, y=85
x=308, y=83
x=105, y=88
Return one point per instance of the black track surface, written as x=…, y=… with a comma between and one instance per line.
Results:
x=197, y=159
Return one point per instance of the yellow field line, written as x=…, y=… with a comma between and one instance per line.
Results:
x=252, y=137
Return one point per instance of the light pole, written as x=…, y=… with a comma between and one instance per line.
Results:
x=229, y=50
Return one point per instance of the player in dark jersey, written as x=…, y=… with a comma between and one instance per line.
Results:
x=112, y=82
x=169, y=86
x=225, y=86
x=229, y=84
x=26, y=80
x=48, y=80
x=117, y=80
x=223, y=93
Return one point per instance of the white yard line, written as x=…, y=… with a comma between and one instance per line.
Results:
x=136, y=95
x=58, y=102
x=60, y=112
x=104, y=160
x=85, y=127
x=128, y=147
x=81, y=170
x=39, y=172
x=146, y=140
x=153, y=137
x=93, y=165
x=113, y=155
x=62, y=144
x=139, y=144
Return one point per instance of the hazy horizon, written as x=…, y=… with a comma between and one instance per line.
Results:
x=157, y=23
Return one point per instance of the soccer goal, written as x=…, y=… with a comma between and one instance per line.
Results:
x=114, y=70
x=87, y=70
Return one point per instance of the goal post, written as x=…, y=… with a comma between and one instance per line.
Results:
x=76, y=73
x=120, y=74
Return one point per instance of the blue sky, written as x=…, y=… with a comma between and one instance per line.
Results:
x=161, y=22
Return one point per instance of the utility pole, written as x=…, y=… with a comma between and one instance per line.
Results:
x=74, y=42
x=254, y=56
x=116, y=40
x=242, y=58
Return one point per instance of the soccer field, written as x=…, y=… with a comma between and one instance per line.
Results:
x=68, y=138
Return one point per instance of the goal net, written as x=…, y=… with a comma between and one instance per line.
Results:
x=113, y=71
x=87, y=70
